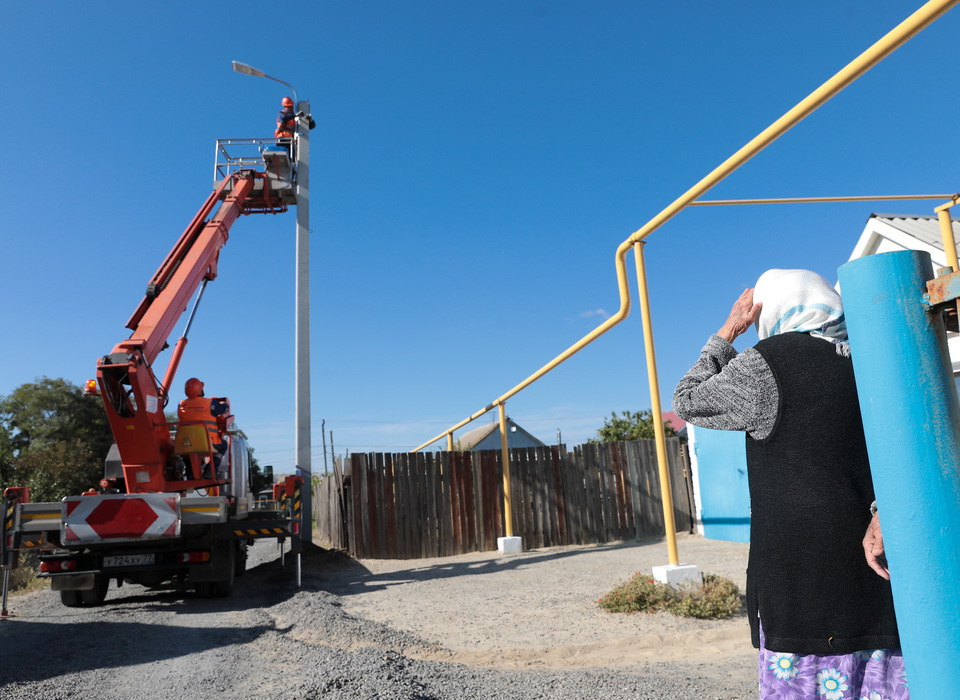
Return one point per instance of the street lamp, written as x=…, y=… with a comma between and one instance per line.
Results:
x=303, y=458
x=257, y=73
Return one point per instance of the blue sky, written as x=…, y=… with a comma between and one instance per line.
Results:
x=474, y=168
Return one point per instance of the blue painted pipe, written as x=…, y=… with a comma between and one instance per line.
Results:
x=910, y=419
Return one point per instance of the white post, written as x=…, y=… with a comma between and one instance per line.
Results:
x=302, y=395
x=6, y=586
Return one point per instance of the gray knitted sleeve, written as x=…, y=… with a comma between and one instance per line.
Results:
x=728, y=391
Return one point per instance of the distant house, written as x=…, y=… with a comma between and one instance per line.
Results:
x=487, y=437
x=670, y=418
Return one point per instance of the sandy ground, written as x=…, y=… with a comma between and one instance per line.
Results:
x=539, y=608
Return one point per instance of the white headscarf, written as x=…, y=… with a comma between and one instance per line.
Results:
x=800, y=301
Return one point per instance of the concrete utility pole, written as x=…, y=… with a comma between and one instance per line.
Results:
x=323, y=436
x=302, y=397
x=302, y=360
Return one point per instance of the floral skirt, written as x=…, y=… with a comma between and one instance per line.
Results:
x=875, y=674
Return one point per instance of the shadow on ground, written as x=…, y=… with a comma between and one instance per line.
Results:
x=354, y=578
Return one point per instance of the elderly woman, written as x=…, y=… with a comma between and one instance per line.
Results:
x=820, y=613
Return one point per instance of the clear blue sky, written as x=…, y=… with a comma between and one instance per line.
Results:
x=474, y=168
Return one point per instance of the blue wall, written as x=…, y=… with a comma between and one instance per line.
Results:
x=722, y=483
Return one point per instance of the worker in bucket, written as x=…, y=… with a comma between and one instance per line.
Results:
x=286, y=125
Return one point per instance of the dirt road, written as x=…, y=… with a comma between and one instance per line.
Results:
x=473, y=626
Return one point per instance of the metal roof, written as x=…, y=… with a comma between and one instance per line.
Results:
x=473, y=437
x=924, y=228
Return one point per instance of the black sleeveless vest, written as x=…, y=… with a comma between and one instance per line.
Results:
x=810, y=494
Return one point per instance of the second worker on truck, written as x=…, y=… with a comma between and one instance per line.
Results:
x=196, y=408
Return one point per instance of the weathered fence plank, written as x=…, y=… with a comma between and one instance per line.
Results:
x=682, y=511
x=521, y=503
x=455, y=477
x=447, y=484
x=556, y=469
x=491, y=495
x=356, y=483
x=372, y=505
x=636, y=505
x=401, y=476
x=389, y=503
x=573, y=491
x=430, y=497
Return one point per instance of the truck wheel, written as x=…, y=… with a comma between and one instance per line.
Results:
x=71, y=599
x=240, y=565
x=223, y=589
x=204, y=589
x=96, y=595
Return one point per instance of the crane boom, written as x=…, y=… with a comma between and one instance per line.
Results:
x=133, y=398
x=193, y=259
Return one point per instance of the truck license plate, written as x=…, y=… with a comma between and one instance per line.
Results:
x=128, y=560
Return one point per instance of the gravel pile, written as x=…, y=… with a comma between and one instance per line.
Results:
x=272, y=639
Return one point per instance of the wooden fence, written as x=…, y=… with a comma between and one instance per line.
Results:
x=435, y=504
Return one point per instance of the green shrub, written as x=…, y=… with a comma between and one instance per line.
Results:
x=24, y=577
x=639, y=594
x=717, y=597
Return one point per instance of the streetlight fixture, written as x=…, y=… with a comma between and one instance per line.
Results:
x=257, y=73
x=302, y=448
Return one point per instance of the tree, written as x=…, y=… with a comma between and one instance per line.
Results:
x=259, y=479
x=59, y=469
x=52, y=439
x=6, y=458
x=630, y=426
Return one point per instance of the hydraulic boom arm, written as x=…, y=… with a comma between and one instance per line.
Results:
x=133, y=398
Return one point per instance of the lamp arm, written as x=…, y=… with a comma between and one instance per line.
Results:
x=296, y=101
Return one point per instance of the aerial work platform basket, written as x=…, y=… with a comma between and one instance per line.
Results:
x=275, y=169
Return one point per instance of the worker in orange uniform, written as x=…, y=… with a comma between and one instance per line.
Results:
x=196, y=408
x=286, y=125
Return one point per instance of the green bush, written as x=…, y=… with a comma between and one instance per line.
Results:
x=716, y=598
x=639, y=594
x=24, y=577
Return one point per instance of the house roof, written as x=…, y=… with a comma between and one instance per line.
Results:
x=892, y=232
x=923, y=228
x=675, y=422
x=888, y=232
x=473, y=437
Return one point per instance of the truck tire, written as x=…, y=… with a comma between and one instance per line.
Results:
x=96, y=595
x=240, y=565
x=71, y=599
x=204, y=589
x=224, y=588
